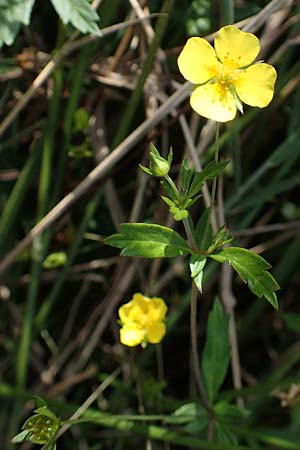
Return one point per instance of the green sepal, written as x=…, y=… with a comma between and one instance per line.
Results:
x=40, y=402
x=176, y=211
x=146, y=170
x=197, y=264
x=148, y=241
x=252, y=268
x=159, y=166
x=44, y=411
x=203, y=231
x=20, y=437
x=237, y=100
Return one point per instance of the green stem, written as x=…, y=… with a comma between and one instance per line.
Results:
x=217, y=151
x=172, y=185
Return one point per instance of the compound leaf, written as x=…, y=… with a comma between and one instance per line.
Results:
x=79, y=13
x=13, y=13
x=252, y=268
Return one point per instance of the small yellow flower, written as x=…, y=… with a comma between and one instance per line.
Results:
x=226, y=75
x=142, y=320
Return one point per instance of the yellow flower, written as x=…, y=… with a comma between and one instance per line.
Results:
x=226, y=75
x=142, y=320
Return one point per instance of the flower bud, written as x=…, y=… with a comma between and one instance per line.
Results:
x=159, y=166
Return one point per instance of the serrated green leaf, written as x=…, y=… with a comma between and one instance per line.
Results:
x=79, y=13
x=210, y=171
x=252, y=269
x=216, y=354
x=254, y=262
x=203, y=232
x=197, y=264
x=13, y=13
x=148, y=241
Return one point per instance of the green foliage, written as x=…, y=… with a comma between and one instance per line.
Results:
x=40, y=428
x=216, y=354
x=197, y=264
x=192, y=416
x=177, y=212
x=198, y=18
x=54, y=260
x=191, y=183
x=203, y=233
x=221, y=238
x=148, y=241
x=252, y=268
x=79, y=13
x=210, y=171
x=13, y=14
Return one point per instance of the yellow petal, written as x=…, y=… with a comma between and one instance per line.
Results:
x=157, y=309
x=135, y=310
x=236, y=48
x=255, y=85
x=155, y=332
x=198, y=61
x=132, y=334
x=214, y=101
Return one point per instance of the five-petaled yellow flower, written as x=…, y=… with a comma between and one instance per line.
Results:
x=142, y=320
x=226, y=75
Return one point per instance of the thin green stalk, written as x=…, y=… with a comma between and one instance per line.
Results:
x=214, y=183
x=145, y=70
x=217, y=151
x=194, y=350
x=235, y=152
x=40, y=244
x=15, y=201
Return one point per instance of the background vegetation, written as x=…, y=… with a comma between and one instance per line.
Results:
x=71, y=103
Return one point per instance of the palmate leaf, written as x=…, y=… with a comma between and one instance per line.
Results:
x=13, y=13
x=148, y=241
x=252, y=268
x=79, y=13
